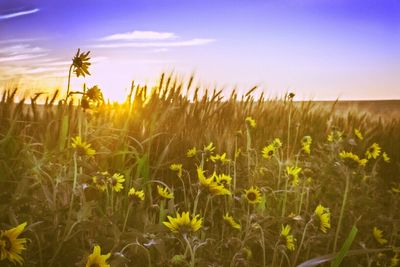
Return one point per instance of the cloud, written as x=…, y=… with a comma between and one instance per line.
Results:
x=20, y=49
x=192, y=42
x=20, y=57
x=139, y=35
x=20, y=13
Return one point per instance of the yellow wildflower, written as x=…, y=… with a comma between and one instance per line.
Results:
x=293, y=172
x=385, y=157
x=165, y=192
x=81, y=63
x=223, y=179
x=221, y=158
x=116, y=182
x=136, y=196
x=285, y=233
x=82, y=148
x=373, y=151
x=394, y=261
x=96, y=259
x=176, y=167
x=324, y=217
x=231, y=221
x=253, y=195
x=100, y=180
x=378, y=235
x=306, y=144
x=335, y=136
x=183, y=224
x=191, y=152
x=11, y=246
x=209, y=148
x=251, y=121
x=268, y=151
x=358, y=134
x=352, y=160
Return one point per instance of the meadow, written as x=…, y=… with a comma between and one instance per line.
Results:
x=181, y=176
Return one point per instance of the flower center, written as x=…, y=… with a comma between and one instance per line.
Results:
x=8, y=244
x=251, y=196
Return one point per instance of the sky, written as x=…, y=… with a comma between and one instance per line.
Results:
x=319, y=49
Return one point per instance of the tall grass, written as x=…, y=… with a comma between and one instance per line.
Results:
x=46, y=183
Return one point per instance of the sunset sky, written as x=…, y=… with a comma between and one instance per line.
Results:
x=319, y=49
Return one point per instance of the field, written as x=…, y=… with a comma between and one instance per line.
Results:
x=178, y=177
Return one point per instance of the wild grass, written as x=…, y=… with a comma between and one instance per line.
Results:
x=49, y=184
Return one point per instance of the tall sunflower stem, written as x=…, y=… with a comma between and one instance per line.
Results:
x=126, y=216
x=191, y=251
x=301, y=242
x=69, y=81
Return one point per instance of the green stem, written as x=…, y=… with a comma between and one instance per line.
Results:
x=69, y=81
x=189, y=246
x=346, y=192
x=285, y=197
x=126, y=216
x=301, y=242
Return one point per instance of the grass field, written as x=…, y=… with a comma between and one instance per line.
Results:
x=165, y=179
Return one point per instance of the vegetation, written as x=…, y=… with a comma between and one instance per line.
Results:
x=173, y=177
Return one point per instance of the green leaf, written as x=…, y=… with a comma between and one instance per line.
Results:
x=345, y=248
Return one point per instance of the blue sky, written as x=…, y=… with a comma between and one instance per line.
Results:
x=319, y=49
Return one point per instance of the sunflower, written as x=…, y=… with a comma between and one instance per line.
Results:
x=285, y=233
x=96, y=259
x=324, y=217
x=378, y=235
x=165, y=192
x=223, y=179
x=100, y=180
x=183, y=224
x=209, y=148
x=306, y=144
x=358, y=133
x=177, y=167
x=373, y=151
x=191, y=152
x=335, y=136
x=293, y=172
x=81, y=63
x=394, y=261
x=277, y=143
x=136, y=196
x=116, y=182
x=268, y=151
x=82, y=148
x=11, y=246
x=229, y=219
x=253, y=195
x=251, y=122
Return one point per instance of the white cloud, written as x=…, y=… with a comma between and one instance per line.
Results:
x=20, y=57
x=139, y=35
x=192, y=42
x=20, y=13
x=20, y=49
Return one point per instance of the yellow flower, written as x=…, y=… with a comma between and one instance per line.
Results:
x=378, y=235
x=221, y=158
x=253, y=195
x=373, y=151
x=386, y=157
x=11, y=246
x=293, y=172
x=324, y=217
x=352, y=160
x=96, y=259
x=285, y=233
x=251, y=121
x=277, y=143
x=164, y=192
x=136, y=195
x=268, y=151
x=183, y=224
x=223, y=179
x=100, y=180
x=229, y=219
x=82, y=148
x=116, y=182
x=81, y=63
x=394, y=261
x=335, y=136
x=176, y=167
x=358, y=134
x=191, y=152
x=209, y=184
x=306, y=144
x=209, y=148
